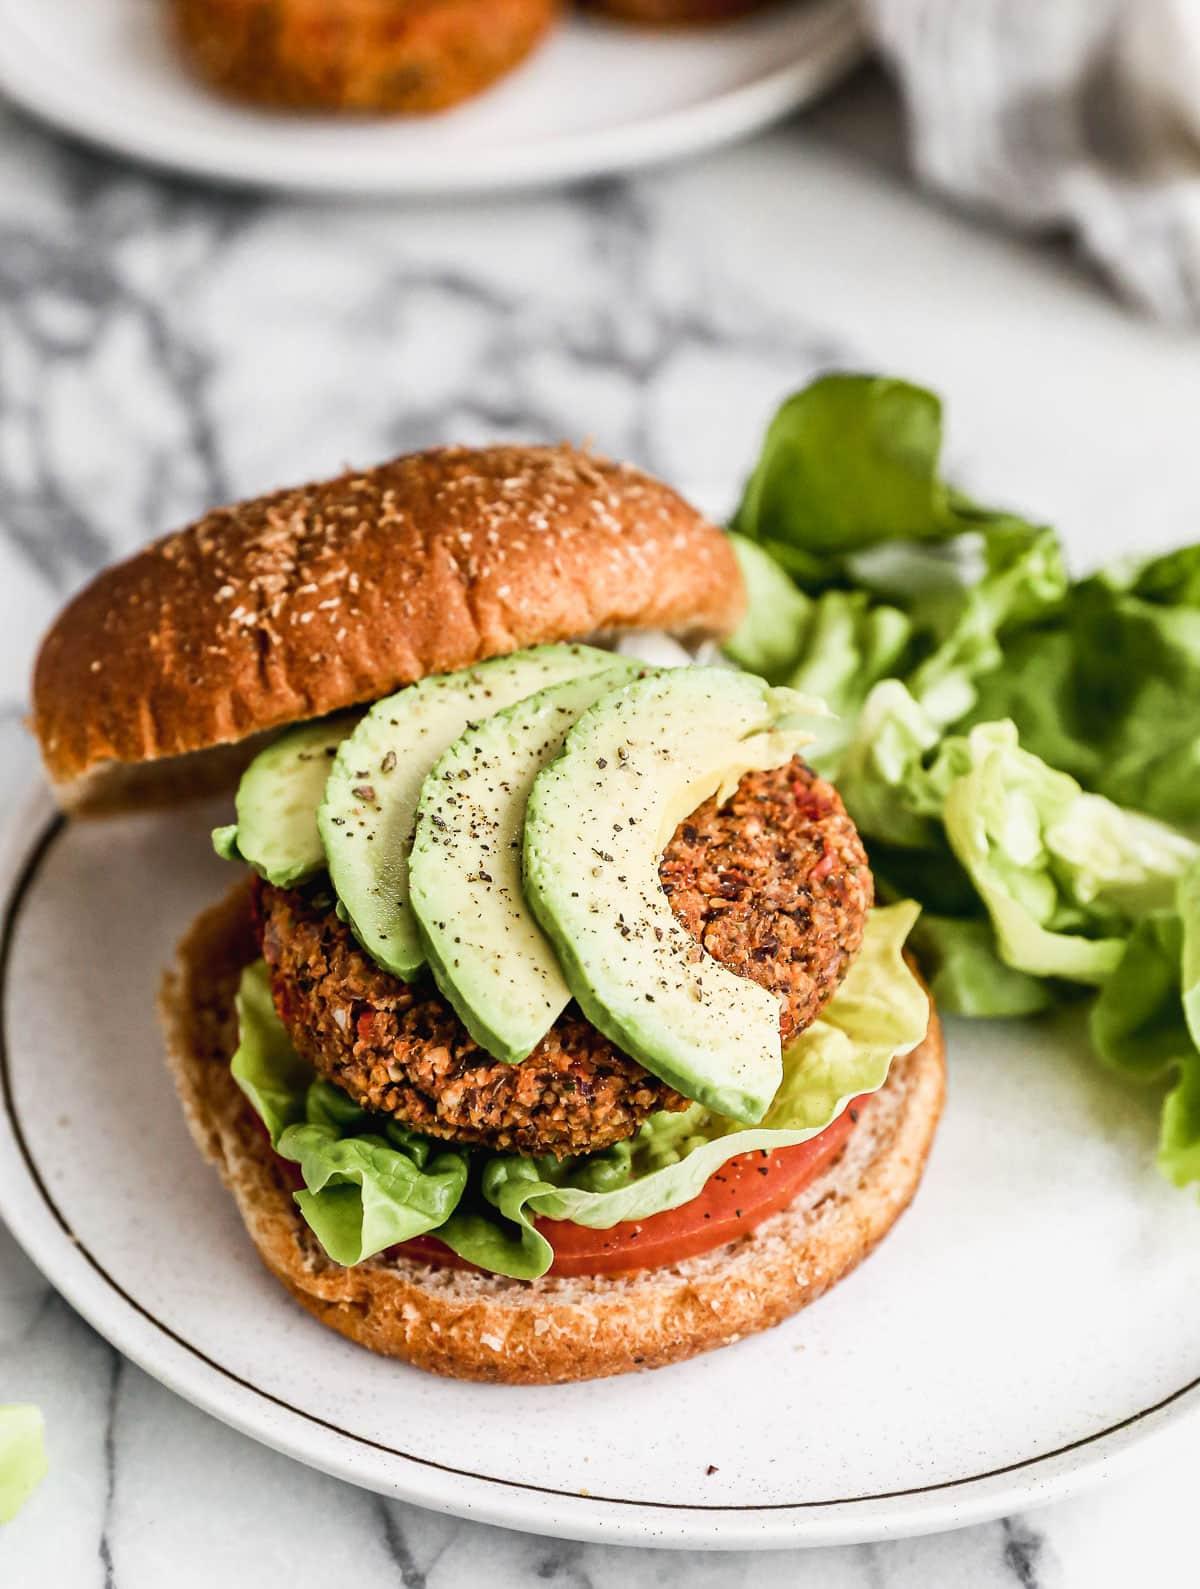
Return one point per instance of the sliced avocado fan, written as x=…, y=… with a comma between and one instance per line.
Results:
x=368, y=814
x=276, y=803
x=485, y=948
x=596, y=823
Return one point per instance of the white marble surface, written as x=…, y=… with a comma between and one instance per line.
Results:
x=163, y=347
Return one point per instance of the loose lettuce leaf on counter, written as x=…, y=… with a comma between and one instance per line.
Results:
x=22, y=1457
x=370, y=1183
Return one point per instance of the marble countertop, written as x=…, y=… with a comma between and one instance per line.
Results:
x=164, y=347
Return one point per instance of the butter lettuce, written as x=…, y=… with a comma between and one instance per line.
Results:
x=850, y=461
x=370, y=1183
x=1046, y=885
x=1146, y=1021
x=1023, y=579
x=966, y=975
x=1011, y=742
x=767, y=641
x=1062, y=875
x=22, y=1457
x=893, y=573
x=1111, y=693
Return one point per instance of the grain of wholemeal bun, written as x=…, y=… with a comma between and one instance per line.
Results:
x=305, y=601
x=470, y=1325
x=365, y=57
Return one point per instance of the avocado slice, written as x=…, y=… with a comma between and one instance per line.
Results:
x=596, y=824
x=369, y=810
x=485, y=948
x=276, y=803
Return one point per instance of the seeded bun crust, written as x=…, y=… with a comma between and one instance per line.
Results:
x=484, y=1327
x=300, y=603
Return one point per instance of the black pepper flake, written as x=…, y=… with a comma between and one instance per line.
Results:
x=363, y=791
x=711, y=1469
x=601, y=762
x=388, y=762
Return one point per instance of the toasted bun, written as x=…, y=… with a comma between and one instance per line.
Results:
x=306, y=601
x=475, y=1326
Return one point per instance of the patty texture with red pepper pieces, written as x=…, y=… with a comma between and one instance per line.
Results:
x=774, y=884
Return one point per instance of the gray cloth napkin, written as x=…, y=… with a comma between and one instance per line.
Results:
x=1075, y=113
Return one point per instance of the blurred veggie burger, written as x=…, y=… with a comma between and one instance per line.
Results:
x=552, y=1032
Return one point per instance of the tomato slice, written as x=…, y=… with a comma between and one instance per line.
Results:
x=745, y=1191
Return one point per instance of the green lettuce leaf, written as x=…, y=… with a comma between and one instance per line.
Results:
x=1111, y=691
x=1024, y=579
x=370, y=1184
x=849, y=644
x=906, y=577
x=22, y=1457
x=1146, y=1021
x=368, y=1192
x=1064, y=874
x=1138, y=1025
x=265, y=1065
x=847, y=463
x=966, y=975
x=1015, y=750
x=769, y=639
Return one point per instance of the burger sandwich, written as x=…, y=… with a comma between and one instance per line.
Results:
x=549, y=1028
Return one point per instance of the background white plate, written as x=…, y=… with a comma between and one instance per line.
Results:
x=598, y=97
x=1028, y=1324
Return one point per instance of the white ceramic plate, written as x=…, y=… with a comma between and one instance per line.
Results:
x=598, y=97
x=1028, y=1325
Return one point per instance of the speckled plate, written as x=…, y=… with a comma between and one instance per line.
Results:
x=1027, y=1328
x=599, y=97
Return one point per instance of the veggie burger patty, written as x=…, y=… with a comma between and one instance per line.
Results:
x=774, y=884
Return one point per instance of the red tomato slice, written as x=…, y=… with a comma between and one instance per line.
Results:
x=740, y=1195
